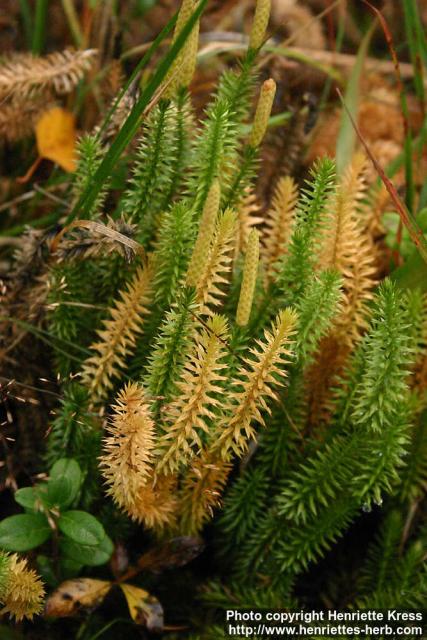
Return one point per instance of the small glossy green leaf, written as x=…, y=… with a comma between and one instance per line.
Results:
x=60, y=492
x=26, y=497
x=87, y=555
x=69, y=469
x=81, y=527
x=24, y=532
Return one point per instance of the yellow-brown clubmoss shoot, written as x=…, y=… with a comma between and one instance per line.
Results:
x=189, y=414
x=156, y=503
x=23, y=593
x=347, y=247
x=263, y=112
x=201, y=491
x=118, y=337
x=127, y=457
x=217, y=264
x=250, y=389
x=182, y=69
x=260, y=24
x=250, y=272
x=205, y=234
x=279, y=225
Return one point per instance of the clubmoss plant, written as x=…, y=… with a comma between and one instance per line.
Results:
x=244, y=370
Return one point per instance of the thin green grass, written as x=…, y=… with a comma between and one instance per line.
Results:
x=39, y=32
x=46, y=337
x=27, y=21
x=132, y=123
x=73, y=21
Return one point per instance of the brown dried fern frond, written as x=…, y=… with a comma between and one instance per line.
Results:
x=26, y=284
x=118, y=337
x=97, y=240
x=377, y=202
x=17, y=121
x=251, y=389
x=218, y=264
x=188, y=415
x=127, y=459
x=279, y=224
x=112, y=82
x=23, y=75
x=121, y=111
x=201, y=492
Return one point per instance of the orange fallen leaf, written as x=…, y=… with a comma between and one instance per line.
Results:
x=56, y=137
x=73, y=595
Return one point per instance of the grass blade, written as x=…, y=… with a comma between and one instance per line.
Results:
x=40, y=20
x=27, y=21
x=133, y=121
x=144, y=61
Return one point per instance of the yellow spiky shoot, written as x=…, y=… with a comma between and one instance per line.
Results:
x=23, y=593
x=189, y=414
x=260, y=23
x=205, y=235
x=156, y=503
x=182, y=69
x=118, y=337
x=190, y=56
x=250, y=389
x=127, y=458
x=201, y=492
x=279, y=224
x=342, y=218
x=250, y=272
x=217, y=264
x=263, y=112
x=347, y=248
